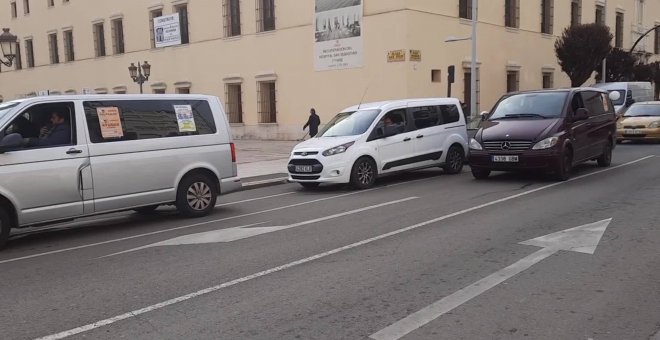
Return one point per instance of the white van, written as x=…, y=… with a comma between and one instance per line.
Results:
x=65, y=157
x=631, y=92
x=370, y=140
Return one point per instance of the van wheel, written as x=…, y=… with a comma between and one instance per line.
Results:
x=146, y=210
x=455, y=160
x=363, y=174
x=606, y=158
x=5, y=227
x=566, y=166
x=310, y=185
x=480, y=173
x=196, y=195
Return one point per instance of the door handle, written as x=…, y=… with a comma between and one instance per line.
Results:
x=73, y=151
x=420, y=136
x=407, y=139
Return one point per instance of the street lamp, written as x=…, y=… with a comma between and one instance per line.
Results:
x=473, y=59
x=8, y=45
x=140, y=73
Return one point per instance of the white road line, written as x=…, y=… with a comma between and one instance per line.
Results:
x=254, y=199
x=157, y=306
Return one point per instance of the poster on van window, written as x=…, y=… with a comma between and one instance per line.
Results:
x=338, y=34
x=184, y=115
x=110, y=122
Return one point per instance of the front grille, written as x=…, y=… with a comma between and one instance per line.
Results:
x=308, y=153
x=508, y=145
x=304, y=162
x=634, y=136
x=634, y=127
x=317, y=167
x=305, y=178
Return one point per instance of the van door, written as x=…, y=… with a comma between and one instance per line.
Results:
x=579, y=130
x=601, y=121
x=431, y=123
x=45, y=178
x=396, y=150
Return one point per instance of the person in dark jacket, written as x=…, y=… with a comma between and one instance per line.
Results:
x=58, y=134
x=313, y=122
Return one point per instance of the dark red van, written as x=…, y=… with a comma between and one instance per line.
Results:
x=550, y=130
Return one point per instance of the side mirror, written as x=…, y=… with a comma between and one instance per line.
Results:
x=11, y=142
x=484, y=115
x=581, y=114
x=615, y=95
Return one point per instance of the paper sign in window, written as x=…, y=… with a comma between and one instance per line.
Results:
x=184, y=115
x=110, y=122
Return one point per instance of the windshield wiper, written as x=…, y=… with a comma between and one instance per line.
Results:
x=642, y=116
x=521, y=115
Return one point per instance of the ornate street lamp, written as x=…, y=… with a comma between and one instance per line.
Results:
x=140, y=73
x=8, y=45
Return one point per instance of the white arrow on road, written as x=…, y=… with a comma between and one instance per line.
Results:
x=243, y=232
x=583, y=239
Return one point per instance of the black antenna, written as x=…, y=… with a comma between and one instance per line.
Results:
x=363, y=95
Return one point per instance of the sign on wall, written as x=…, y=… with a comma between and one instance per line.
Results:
x=396, y=56
x=338, y=34
x=167, y=31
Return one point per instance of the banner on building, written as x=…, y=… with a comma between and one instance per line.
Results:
x=167, y=31
x=338, y=40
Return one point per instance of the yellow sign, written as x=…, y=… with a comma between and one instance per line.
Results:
x=395, y=56
x=415, y=55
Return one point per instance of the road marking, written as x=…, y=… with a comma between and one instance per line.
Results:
x=209, y=290
x=240, y=233
x=582, y=239
x=254, y=199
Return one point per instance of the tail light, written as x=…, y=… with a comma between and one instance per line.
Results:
x=233, y=152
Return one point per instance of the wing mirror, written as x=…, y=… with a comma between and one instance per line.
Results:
x=484, y=115
x=581, y=114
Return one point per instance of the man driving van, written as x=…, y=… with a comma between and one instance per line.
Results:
x=58, y=134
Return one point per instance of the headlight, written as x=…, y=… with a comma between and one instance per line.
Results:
x=337, y=149
x=474, y=145
x=655, y=125
x=546, y=143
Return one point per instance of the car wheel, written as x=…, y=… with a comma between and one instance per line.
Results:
x=363, y=174
x=146, y=210
x=606, y=158
x=310, y=185
x=455, y=160
x=480, y=173
x=196, y=196
x=566, y=165
x=5, y=227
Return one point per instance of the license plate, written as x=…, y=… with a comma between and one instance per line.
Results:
x=304, y=168
x=505, y=159
x=632, y=132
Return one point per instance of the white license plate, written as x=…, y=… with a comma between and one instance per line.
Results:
x=505, y=159
x=632, y=132
x=304, y=168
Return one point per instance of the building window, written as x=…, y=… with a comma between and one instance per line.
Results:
x=153, y=15
x=183, y=22
x=53, y=48
x=576, y=12
x=117, y=36
x=234, y=103
x=656, y=45
x=512, y=81
x=232, y=15
x=600, y=14
x=640, y=12
x=51, y=3
x=68, y=46
x=618, y=41
x=159, y=91
x=436, y=76
x=18, y=62
x=14, y=10
x=465, y=9
x=267, y=104
x=467, y=92
x=547, y=16
x=29, y=53
x=265, y=15
x=548, y=80
x=183, y=90
x=512, y=13
x=26, y=6
x=99, y=40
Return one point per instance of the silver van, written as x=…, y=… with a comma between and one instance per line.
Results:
x=66, y=157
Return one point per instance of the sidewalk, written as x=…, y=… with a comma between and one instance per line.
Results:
x=262, y=162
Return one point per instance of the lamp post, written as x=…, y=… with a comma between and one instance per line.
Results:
x=632, y=49
x=140, y=73
x=8, y=44
x=473, y=59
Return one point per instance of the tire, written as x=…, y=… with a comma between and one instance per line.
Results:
x=146, y=210
x=309, y=185
x=196, y=195
x=363, y=174
x=480, y=173
x=566, y=166
x=455, y=160
x=5, y=227
x=606, y=158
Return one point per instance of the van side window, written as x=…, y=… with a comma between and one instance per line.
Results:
x=593, y=101
x=425, y=116
x=450, y=114
x=121, y=120
x=45, y=125
x=577, y=102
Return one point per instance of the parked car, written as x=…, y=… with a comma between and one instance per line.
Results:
x=366, y=141
x=640, y=122
x=630, y=93
x=104, y=153
x=550, y=130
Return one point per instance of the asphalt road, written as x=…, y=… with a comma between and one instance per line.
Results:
x=340, y=264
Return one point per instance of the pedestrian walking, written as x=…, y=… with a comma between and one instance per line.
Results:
x=313, y=123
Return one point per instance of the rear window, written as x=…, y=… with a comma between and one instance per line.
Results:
x=120, y=120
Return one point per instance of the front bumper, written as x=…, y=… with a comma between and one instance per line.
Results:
x=334, y=169
x=640, y=134
x=527, y=160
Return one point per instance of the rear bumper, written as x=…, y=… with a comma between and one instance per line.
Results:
x=532, y=160
x=228, y=185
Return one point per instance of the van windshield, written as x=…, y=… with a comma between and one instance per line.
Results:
x=349, y=123
x=531, y=106
x=622, y=98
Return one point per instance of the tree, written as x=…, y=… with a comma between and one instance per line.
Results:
x=581, y=48
x=643, y=72
x=620, y=66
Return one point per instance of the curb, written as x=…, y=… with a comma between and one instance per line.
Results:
x=265, y=183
